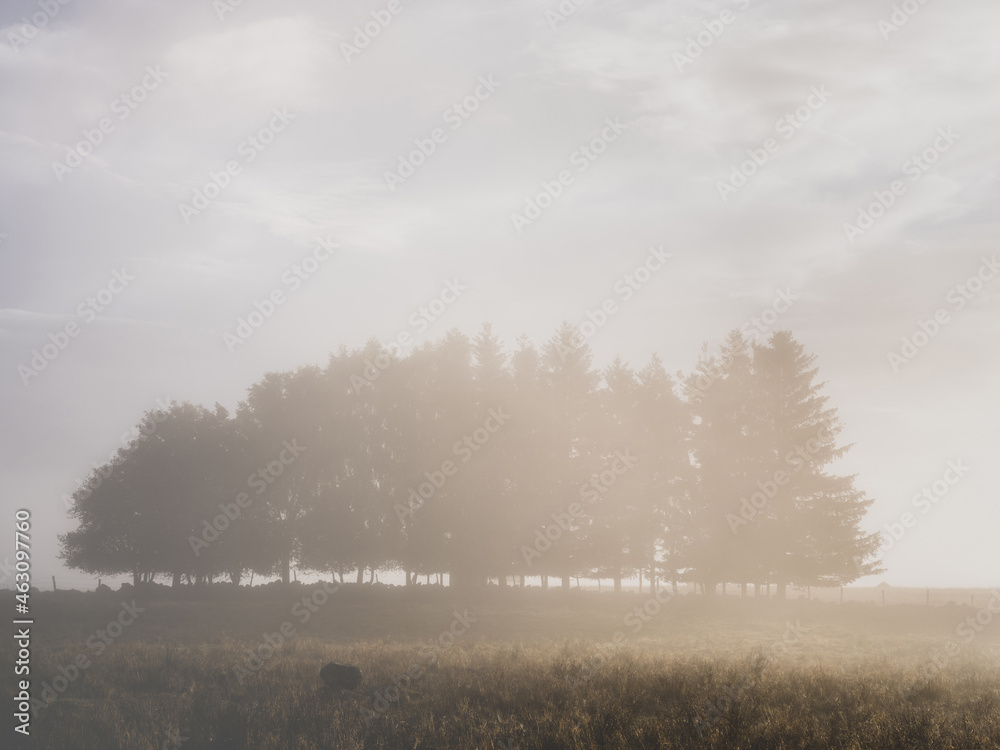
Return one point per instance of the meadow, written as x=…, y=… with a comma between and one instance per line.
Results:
x=510, y=668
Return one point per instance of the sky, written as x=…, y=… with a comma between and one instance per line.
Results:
x=827, y=167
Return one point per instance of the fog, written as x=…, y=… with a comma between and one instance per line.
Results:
x=471, y=300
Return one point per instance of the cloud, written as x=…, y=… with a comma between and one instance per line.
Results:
x=355, y=119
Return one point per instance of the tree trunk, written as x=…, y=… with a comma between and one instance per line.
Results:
x=618, y=582
x=545, y=582
x=781, y=591
x=565, y=583
x=640, y=582
x=235, y=576
x=361, y=574
x=176, y=582
x=286, y=570
x=135, y=578
x=502, y=581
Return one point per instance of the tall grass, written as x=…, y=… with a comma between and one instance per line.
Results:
x=694, y=677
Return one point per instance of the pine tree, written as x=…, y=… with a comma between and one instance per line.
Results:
x=609, y=539
x=661, y=436
x=728, y=458
x=570, y=382
x=811, y=531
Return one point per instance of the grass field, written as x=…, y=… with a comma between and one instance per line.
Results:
x=509, y=668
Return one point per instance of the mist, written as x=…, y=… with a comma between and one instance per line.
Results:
x=612, y=335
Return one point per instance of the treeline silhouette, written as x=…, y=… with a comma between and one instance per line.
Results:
x=462, y=459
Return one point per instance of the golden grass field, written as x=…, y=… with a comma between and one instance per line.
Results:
x=527, y=669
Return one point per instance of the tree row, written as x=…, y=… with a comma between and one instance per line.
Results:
x=468, y=460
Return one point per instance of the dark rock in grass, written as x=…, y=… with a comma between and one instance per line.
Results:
x=341, y=676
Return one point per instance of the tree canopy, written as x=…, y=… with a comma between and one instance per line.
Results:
x=463, y=458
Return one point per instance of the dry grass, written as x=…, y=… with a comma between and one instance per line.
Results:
x=694, y=676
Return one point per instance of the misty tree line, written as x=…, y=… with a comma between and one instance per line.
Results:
x=463, y=459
